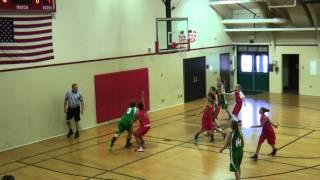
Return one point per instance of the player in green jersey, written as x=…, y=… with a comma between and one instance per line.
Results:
x=125, y=124
x=235, y=142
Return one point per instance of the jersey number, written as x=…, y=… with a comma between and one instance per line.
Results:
x=238, y=142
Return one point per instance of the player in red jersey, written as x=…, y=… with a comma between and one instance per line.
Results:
x=267, y=133
x=207, y=123
x=144, y=127
x=239, y=98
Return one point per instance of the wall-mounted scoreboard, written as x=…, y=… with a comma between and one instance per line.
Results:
x=28, y=5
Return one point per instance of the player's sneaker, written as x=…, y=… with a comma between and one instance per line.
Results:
x=128, y=145
x=211, y=138
x=76, y=136
x=70, y=133
x=139, y=149
x=254, y=157
x=195, y=138
x=274, y=152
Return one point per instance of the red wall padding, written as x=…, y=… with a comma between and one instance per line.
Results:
x=114, y=91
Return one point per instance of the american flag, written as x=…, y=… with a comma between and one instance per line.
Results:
x=25, y=39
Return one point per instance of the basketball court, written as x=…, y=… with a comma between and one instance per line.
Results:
x=173, y=155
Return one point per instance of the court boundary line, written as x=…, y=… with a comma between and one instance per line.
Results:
x=312, y=131
x=276, y=162
x=56, y=171
x=164, y=150
x=275, y=174
x=261, y=154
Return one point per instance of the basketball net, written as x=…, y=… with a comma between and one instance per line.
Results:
x=183, y=45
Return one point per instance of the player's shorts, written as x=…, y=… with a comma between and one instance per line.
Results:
x=123, y=127
x=235, y=161
x=237, y=108
x=207, y=125
x=141, y=131
x=271, y=138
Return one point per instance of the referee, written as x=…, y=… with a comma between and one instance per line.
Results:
x=73, y=105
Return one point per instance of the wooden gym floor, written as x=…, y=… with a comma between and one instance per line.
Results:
x=170, y=152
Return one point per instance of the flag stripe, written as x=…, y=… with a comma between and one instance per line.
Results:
x=32, y=25
x=32, y=18
x=18, y=51
x=33, y=29
x=26, y=54
x=25, y=47
x=26, y=61
x=32, y=36
x=33, y=32
x=26, y=58
x=31, y=22
x=33, y=39
x=26, y=43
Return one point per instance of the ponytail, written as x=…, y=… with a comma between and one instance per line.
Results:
x=263, y=109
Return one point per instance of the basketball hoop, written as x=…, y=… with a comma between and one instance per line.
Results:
x=182, y=53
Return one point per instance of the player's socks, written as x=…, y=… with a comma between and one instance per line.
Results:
x=112, y=142
x=211, y=138
x=128, y=144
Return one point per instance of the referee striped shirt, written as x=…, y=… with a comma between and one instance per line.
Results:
x=73, y=99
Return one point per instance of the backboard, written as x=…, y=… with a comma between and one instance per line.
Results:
x=172, y=35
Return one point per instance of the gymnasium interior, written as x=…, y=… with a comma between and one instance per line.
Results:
x=168, y=54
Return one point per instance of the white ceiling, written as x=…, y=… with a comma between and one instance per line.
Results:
x=303, y=15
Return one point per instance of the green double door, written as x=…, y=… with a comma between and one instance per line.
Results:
x=253, y=71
